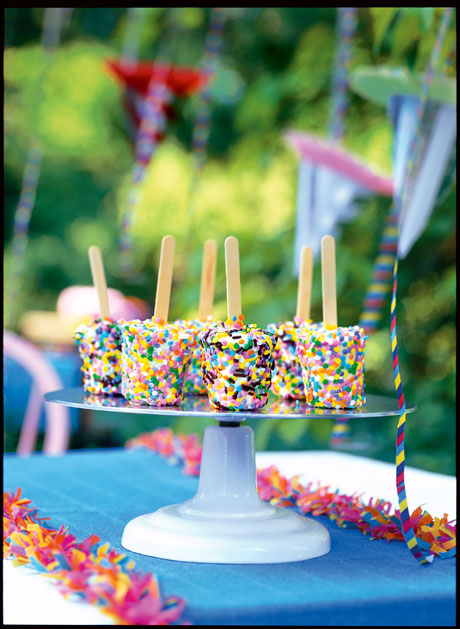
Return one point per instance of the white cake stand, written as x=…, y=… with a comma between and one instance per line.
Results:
x=226, y=521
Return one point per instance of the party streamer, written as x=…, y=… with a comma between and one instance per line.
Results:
x=53, y=21
x=153, y=122
x=346, y=30
x=213, y=45
x=408, y=531
x=374, y=518
x=380, y=285
x=93, y=571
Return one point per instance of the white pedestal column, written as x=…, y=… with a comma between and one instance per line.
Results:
x=226, y=522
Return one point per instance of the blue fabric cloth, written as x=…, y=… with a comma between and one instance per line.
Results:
x=360, y=582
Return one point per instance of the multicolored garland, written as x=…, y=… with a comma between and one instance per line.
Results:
x=53, y=21
x=435, y=535
x=101, y=576
x=93, y=571
x=407, y=527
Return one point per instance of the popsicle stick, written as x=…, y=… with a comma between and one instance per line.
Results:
x=208, y=276
x=304, y=285
x=328, y=277
x=232, y=270
x=100, y=284
x=165, y=272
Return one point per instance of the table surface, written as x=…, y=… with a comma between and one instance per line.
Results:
x=360, y=582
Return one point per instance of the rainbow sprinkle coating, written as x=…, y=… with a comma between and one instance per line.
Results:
x=99, y=345
x=194, y=384
x=333, y=365
x=237, y=364
x=287, y=380
x=155, y=357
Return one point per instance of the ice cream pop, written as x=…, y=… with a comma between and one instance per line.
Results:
x=155, y=353
x=194, y=378
x=287, y=379
x=332, y=357
x=238, y=360
x=99, y=342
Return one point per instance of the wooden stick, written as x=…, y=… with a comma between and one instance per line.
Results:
x=208, y=276
x=304, y=285
x=100, y=284
x=232, y=270
x=165, y=272
x=329, y=282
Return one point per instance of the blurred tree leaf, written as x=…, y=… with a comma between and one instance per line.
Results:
x=382, y=17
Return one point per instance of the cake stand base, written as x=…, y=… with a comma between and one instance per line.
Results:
x=226, y=522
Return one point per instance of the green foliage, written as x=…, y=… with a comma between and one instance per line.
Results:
x=277, y=65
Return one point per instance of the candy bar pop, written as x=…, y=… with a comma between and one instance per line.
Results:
x=194, y=378
x=156, y=353
x=238, y=358
x=99, y=342
x=287, y=379
x=332, y=357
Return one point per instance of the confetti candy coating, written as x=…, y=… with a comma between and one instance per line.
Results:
x=287, y=379
x=237, y=365
x=99, y=345
x=333, y=365
x=155, y=357
x=194, y=384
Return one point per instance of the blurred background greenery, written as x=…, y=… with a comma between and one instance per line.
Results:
x=274, y=73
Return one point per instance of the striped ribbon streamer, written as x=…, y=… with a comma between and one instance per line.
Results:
x=406, y=524
x=153, y=122
x=346, y=30
x=380, y=286
x=53, y=21
x=213, y=45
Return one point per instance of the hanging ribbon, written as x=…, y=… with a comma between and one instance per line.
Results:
x=213, y=45
x=153, y=122
x=408, y=531
x=346, y=30
x=405, y=120
x=53, y=21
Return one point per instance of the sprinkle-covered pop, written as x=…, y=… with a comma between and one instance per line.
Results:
x=194, y=379
x=237, y=365
x=99, y=342
x=156, y=353
x=332, y=357
x=99, y=345
x=238, y=358
x=287, y=379
x=154, y=361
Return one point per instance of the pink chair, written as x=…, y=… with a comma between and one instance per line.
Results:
x=45, y=378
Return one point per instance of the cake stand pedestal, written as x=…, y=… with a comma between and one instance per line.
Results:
x=226, y=521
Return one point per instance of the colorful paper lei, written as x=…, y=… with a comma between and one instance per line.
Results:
x=374, y=518
x=93, y=571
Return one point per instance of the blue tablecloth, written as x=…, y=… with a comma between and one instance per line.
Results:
x=360, y=582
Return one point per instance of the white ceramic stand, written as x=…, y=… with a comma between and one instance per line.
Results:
x=226, y=521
